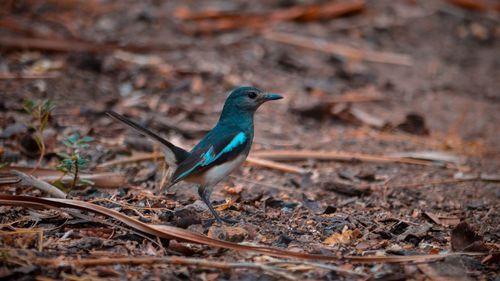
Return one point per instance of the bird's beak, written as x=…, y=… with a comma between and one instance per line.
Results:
x=272, y=97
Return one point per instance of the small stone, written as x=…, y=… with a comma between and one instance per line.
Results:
x=284, y=239
x=87, y=243
x=186, y=216
x=479, y=31
x=228, y=233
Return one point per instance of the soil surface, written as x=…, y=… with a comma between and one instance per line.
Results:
x=388, y=82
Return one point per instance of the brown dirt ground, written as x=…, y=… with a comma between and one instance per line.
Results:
x=182, y=81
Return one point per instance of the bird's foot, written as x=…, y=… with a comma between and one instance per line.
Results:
x=222, y=220
x=227, y=219
x=216, y=216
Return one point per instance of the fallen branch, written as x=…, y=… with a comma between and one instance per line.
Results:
x=54, y=45
x=204, y=263
x=29, y=76
x=28, y=180
x=337, y=49
x=474, y=5
x=450, y=180
x=298, y=155
x=274, y=265
x=355, y=97
x=279, y=267
x=217, y=21
x=326, y=102
x=250, y=160
x=104, y=180
x=59, y=45
x=170, y=232
x=299, y=12
x=275, y=165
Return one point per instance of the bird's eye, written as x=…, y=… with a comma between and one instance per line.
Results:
x=252, y=95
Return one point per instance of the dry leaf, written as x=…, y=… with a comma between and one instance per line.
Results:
x=443, y=220
x=464, y=238
x=235, y=190
x=345, y=237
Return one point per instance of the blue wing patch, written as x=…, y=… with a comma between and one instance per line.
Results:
x=237, y=141
x=208, y=157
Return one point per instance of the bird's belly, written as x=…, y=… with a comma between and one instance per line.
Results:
x=217, y=173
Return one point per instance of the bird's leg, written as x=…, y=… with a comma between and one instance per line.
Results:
x=205, y=196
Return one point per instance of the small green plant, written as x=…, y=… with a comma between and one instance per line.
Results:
x=73, y=163
x=40, y=112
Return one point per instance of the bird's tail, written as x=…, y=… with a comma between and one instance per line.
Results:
x=173, y=154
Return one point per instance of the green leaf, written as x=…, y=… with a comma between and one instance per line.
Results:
x=31, y=125
x=28, y=106
x=61, y=168
x=44, y=121
x=63, y=155
x=82, y=162
x=68, y=163
x=38, y=142
x=87, y=139
x=50, y=104
x=30, y=103
x=59, y=185
x=66, y=142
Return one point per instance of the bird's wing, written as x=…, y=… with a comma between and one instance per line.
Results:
x=173, y=154
x=212, y=152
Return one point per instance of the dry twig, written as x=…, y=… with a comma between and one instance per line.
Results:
x=250, y=160
x=105, y=180
x=474, y=5
x=442, y=181
x=297, y=155
x=275, y=165
x=337, y=49
x=29, y=76
x=179, y=234
x=28, y=180
x=59, y=45
x=217, y=21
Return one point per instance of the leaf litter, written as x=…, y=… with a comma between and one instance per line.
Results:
x=380, y=164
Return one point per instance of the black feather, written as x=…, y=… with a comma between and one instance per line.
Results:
x=179, y=153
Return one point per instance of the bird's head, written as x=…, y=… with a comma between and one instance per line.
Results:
x=248, y=99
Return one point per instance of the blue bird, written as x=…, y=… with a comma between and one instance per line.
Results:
x=221, y=151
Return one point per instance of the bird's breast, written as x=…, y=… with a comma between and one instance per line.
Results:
x=215, y=174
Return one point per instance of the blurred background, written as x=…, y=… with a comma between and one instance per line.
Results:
x=412, y=80
x=375, y=64
x=374, y=77
x=377, y=77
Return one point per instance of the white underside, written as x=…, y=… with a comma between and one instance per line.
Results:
x=217, y=173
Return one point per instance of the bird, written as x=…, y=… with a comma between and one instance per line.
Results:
x=220, y=152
